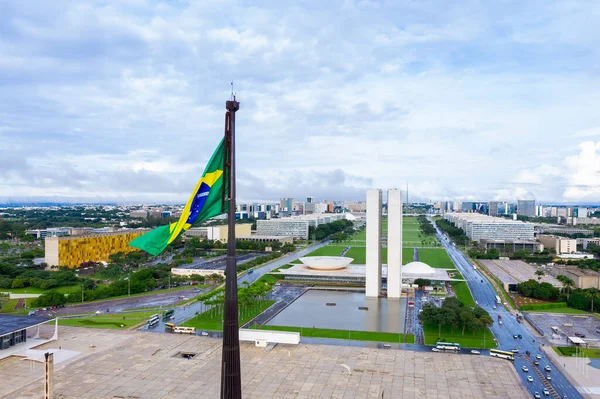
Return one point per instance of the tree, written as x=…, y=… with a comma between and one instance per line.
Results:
x=51, y=298
x=422, y=282
x=539, y=273
x=593, y=294
x=567, y=284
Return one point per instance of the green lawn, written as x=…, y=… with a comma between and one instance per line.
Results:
x=345, y=334
x=108, y=321
x=559, y=310
x=213, y=320
x=434, y=257
x=571, y=350
x=410, y=233
x=8, y=306
x=65, y=289
x=469, y=340
x=329, y=250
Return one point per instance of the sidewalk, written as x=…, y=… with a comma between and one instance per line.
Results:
x=585, y=378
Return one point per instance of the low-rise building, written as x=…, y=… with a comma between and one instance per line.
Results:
x=510, y=245
x=72, y=251
x=478, y=226
x=585, y=241
x=582, y=278
x=220, y=232
x=561, y=245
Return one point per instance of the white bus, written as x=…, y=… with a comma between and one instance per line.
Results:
x=448, y=346
x=502, y=354
x=498, y=301
x=184, y=330
x=153, y=320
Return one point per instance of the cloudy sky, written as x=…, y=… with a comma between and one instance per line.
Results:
x=124, y=100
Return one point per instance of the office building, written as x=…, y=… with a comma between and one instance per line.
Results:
x=526, y=208
x=585, y=241
x=142, y=214
x=509, y=246
x=72, y=251
x=477, y=227
x=286, y=204
x=561, y=245
x=494, y=208
x=50, y=232
x=468, y=206
x=310, y=199
x=394, y=244
x=218, y=233
x=373, y=249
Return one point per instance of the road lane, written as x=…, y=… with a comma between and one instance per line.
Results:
x=485, y=296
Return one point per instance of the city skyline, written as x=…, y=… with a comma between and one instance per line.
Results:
x=122, y=103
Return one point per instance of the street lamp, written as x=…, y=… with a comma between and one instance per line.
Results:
x=81, y=292
x=129, y=284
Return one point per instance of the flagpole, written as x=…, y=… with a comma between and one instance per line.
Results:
x=231, y=384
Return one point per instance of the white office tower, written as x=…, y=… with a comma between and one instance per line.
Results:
x=394, y=244
x=373, y=267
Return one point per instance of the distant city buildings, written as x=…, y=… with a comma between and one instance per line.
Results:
x=526, y=208
x=219, y=232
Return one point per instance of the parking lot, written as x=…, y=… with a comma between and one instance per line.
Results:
x=569, y=325
x=516, y=271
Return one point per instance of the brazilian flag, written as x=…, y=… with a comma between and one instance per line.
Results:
x=204, y=203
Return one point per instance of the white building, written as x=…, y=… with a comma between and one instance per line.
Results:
x=478, y=226
x=373, y=250
x=394, y=244
x=297, y=226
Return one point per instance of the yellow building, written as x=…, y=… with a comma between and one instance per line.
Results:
x=73, y=251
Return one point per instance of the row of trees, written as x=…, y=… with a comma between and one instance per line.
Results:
x=535, y=289
x=326, y=230
x=491, y=253
x=455, y=315
x=425, y=225
x=457, y=234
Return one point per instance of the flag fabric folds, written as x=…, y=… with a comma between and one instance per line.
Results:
x=204, y=203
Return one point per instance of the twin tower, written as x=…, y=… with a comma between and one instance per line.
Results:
x=374, y=244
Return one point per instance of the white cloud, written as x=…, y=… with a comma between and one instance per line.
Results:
x=359, y=95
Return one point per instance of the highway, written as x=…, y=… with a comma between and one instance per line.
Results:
x=559, y=386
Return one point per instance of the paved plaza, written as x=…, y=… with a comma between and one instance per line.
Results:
x=146, y=365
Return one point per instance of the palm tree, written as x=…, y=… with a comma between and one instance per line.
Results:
x=593, y=294
x=539, y=273
x=567, y=284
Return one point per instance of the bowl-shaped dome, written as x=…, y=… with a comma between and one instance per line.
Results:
x=417, y=268
x=326, y=262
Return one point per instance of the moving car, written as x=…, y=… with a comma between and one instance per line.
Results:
x=500, y=322
x=474, y=352
x=435, y=350
x=546, y=392
x=548, y=377
x=536, y=395
x=538, y=357
x=515, y=350
x=387, y=346
x=515, y=336
x=204, y=333
x=525, y=369
x=547, y=368
x=520, y=336
x=529, y=378
x=536, y=363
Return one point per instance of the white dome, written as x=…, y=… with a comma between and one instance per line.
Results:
x=326, y=262
x=417, y=268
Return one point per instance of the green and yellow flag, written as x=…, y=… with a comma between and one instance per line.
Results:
x=204, y=203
